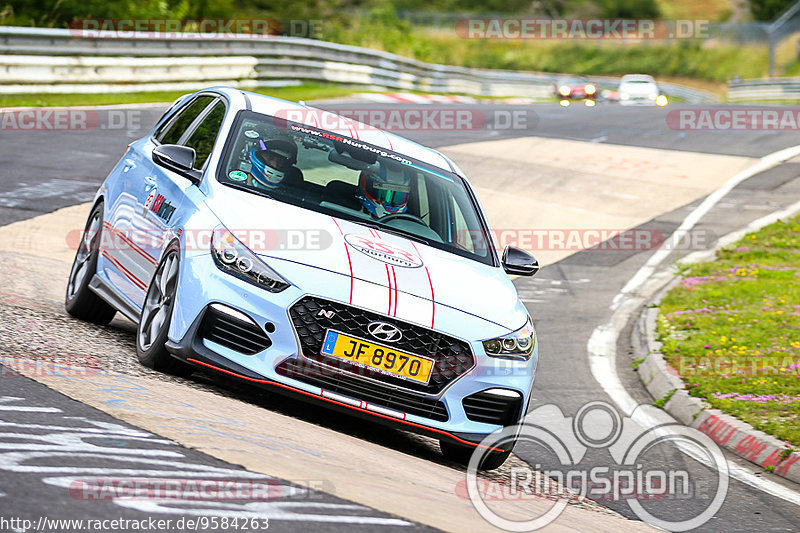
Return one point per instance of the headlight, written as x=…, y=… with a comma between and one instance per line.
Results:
x=234, y=258
x=590, y=89
x=564, y=90
x=624, y=96
x=661, y=101
x=517, y=345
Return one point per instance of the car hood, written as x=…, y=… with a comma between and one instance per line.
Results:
x=374, y=269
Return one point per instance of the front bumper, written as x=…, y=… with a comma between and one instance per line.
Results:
x=449, y=412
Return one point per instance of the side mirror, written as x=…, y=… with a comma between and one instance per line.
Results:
x=519, y=262
x=179, y=159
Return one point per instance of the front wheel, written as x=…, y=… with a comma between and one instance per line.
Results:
x=151, y=335
x=461, y=454
x=79, y=300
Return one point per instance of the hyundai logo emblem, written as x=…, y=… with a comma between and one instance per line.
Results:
x=384, y=331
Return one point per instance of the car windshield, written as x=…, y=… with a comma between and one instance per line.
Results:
x=353, y=180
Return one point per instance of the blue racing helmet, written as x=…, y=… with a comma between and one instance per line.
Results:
x=384, y=189
x=271, y=160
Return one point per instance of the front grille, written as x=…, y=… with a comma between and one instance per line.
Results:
x=492, y=409
x=374, y=393
x=452, y=357
x=243, y=337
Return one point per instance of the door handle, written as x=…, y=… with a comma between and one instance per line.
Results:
x=150, y=182
x=129, y=164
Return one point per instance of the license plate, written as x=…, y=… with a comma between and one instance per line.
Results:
x=377, y=357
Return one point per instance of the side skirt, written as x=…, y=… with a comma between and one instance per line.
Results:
x=101, y=288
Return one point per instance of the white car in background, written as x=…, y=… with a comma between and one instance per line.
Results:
x=640, y=89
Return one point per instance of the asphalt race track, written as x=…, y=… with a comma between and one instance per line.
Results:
x=43, y=171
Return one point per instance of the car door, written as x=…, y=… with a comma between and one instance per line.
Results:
x=125, y=263
x=163, y=202
x=132, y=261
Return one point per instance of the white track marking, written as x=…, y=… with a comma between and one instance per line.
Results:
x=700, y=211
x=602, y=344
x=6, y=399
x=25, y=450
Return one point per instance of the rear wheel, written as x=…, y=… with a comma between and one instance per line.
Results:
x=461, y=454
x=80, y=301
x=151, y=335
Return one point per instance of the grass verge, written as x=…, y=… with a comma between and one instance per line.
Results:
x=294, y=93
x=732, y=330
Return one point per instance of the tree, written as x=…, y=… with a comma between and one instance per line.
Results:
x=768, y=10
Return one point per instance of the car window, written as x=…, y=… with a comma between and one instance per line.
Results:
x=350, y=179
x=463, y=235
x=174, y=129
x=422, y=199
x=205, y=134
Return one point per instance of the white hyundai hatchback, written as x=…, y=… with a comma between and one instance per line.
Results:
x=322, y=258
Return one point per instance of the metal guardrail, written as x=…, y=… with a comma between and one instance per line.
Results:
x=765, y=89
x=60, y=60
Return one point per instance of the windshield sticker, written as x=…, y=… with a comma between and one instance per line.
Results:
x=237, y=175
x=350, y=142
x=383, y=251
x=252, y=134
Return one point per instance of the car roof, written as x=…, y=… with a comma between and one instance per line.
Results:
x=637, y=77
x=272, y=106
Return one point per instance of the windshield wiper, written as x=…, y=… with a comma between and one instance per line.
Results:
x=248, y=189
x=394, y=231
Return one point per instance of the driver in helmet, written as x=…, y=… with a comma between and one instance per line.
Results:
x=384, y=188
x=271, y=161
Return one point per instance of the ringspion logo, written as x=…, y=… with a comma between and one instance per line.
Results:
x=561, y=444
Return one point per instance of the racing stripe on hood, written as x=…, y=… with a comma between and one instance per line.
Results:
x=430, y=284
x=391, y=279
x=397, y=282
x=373, y=288
x=396, y=295
x=349, y=261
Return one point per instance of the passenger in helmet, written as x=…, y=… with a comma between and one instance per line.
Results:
x=271, y=161
x=384, y=188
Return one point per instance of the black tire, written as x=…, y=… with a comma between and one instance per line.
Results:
x=79, y=300
x=461, y=454
x=151, y=333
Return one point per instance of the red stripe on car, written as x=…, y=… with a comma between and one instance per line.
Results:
x=342, y=404
x=349, y=262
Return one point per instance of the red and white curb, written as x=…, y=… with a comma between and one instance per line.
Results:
x=728, y=432
x=659, y=378
x=649, y=281
x=408, y=98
